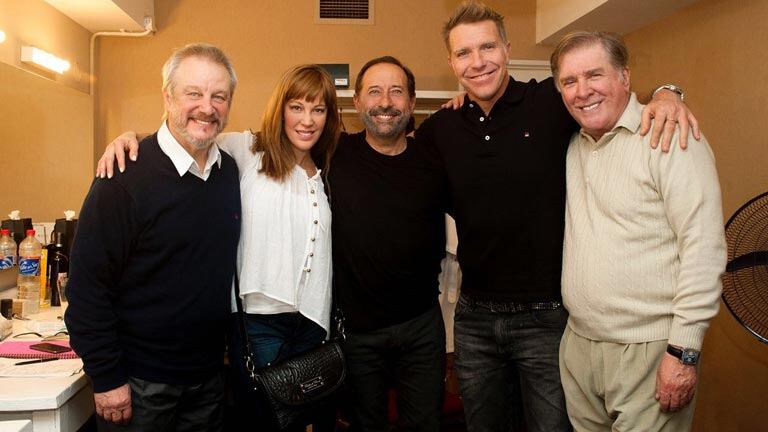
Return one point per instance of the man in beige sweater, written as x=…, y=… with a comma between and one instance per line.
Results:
x=643, y=253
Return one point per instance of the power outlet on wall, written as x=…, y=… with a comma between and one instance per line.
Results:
x=43, y=231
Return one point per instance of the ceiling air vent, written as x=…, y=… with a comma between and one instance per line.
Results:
x=344, y=12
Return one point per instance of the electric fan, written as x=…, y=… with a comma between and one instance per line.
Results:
x=745, y=282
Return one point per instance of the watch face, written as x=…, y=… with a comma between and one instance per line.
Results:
x=690, y=357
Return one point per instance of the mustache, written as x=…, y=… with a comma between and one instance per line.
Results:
x=205, y=118
x=385, y=111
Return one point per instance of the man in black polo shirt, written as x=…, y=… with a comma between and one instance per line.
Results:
x=504, y=153
x=148, y=325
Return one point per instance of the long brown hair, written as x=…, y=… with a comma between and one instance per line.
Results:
x=303, y=82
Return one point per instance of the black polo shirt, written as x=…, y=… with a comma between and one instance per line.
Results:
x=507, y=178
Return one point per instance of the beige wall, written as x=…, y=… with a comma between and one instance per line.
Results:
x=716, y=49
x=264, y=38
x=46, y=142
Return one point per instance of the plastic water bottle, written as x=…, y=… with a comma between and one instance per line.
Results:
x=28, y=282
x=7, y=250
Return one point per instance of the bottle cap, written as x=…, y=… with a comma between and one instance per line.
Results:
x=31, y=232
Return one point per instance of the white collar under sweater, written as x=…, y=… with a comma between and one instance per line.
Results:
x=181, y=159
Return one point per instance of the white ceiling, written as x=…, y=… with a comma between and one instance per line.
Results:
x=110, y=15
x=555, y=18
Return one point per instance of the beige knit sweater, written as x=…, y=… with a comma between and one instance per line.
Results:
x=644, y=243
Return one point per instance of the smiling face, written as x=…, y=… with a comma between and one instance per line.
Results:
x=303, y=123
x=478, y=57
x=593, y=90
x=383, y=101
x=198, y=102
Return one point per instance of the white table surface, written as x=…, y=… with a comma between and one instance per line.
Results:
x=16, y=426
x=53, y=404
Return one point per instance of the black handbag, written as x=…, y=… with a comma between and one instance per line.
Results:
x=299, y=387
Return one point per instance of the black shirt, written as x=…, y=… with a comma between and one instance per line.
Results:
x=507, y=179
x=151, y=272
x=388, y=232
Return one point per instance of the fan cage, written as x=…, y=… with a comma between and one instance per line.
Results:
x=744, y=290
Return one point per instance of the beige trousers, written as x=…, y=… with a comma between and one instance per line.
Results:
x=611, y=386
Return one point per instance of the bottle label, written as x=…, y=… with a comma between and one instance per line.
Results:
x=6, y=262
x=29, y=266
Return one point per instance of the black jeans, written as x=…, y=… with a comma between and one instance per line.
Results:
x=409, y=357
x=173, y=408
x=505, y=359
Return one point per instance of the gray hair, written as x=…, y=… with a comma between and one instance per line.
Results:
x=203, y=50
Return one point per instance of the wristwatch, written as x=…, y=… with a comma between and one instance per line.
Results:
x=687, y=356
x=672, y=88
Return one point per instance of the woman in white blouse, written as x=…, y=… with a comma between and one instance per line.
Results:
x=284, y=256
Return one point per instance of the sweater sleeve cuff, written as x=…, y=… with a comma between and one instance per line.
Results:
x=108, y=381
x=687, y=336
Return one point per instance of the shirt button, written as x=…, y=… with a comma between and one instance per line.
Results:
x=311, y=254
x=312, y=239
x=314, y=222
x=482, y=118
x=308, y=270
x=471, y=105
x=594, y=152
x=312, y=191
x=314, y=204
x=487, y=137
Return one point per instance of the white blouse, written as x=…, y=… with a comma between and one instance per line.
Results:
x=284, y=256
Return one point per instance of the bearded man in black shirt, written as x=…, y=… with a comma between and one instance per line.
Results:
x=388, y=199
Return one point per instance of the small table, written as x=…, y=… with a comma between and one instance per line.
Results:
x=52, y=404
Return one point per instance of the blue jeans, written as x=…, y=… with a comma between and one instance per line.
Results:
x=283, y=334
x=507, y=367
x=409, y=357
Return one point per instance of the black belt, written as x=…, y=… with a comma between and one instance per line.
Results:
x=512, y=307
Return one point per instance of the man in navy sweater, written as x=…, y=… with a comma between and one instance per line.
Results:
x=148, y=325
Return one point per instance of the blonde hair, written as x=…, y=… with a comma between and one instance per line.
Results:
x=303, y=82
x=470, y=12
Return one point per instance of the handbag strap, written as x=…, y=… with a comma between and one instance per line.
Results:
x=247, y=357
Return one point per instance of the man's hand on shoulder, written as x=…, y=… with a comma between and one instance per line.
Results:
x=114, y=405
x=668, y=110
x=675, y=384
x=115, y=151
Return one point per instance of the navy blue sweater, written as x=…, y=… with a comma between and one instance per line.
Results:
x=151, y=272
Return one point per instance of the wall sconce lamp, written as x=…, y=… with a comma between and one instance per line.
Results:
x=43, y=59
x=2, y=36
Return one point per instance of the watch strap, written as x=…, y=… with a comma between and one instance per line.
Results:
x=686, y=356
x=672, y=88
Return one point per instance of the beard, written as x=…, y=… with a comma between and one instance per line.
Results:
x=386, y=130
x=180, y=124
